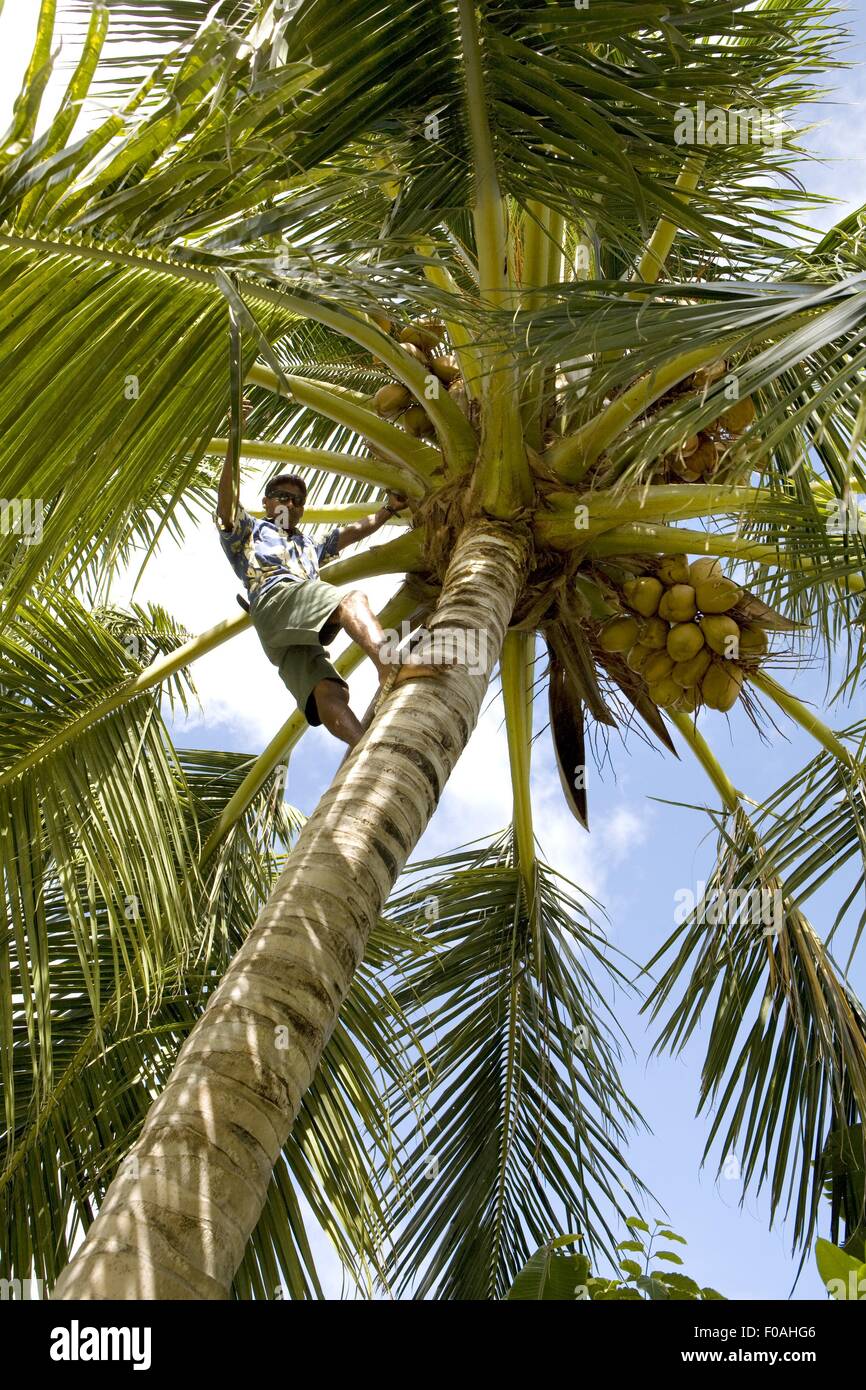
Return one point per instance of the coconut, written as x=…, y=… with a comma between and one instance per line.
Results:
x=721, y=685
x=415, y=352
x=643, y=595
x=674, y=569
x=717, y=595
x=382, y=321
x=689, y=673
x=684, y=641
x=619, y=635
x=391, y=399
x=432, y=326
x=722, y=635
x=638, y=657
x=657, y=667
x=713, y=371
x=739, y=416
x=705, y=459
x=689, y=446
x=665, y=692
x=654, y=634
x=420, y=337
x=688, y=700
x=705, y=568
x=417, y=421
x=677, y=605
x=445, y=368
x=753, y=641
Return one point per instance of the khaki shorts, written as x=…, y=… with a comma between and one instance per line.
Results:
x=291, y=620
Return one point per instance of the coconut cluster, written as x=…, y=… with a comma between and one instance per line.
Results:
x=420, y=341
x=680, y=636
x=697, y=457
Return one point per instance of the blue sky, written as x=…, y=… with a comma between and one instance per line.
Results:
x=639, y=854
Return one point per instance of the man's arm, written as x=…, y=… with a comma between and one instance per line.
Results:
x=357, y=530
x=226, y=500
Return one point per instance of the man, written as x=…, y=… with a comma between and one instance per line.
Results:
x=293, y=611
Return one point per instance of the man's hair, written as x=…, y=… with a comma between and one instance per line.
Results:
x=274, y=483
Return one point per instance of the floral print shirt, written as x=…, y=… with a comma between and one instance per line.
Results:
x=262, y=554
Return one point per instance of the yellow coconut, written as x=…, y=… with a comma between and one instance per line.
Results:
x=619, y=635
x=657, y=667
x=654, y=634
x=684, y=641
x=717, y=595
x=753, y=641
x=721, y=685
x=678, y=604
x=705, y=568
x=665, y=692
x=391, y=399
x=739, y=416
x=643, y=595
x=689, y=673
x=445, y=368
x=420, y=337
x=414, y=352
x=713, y=371
x=638, y=657
x=688, y=700
x=705, y=458
x=674, y=569
x=417, y=421
x=721, y=634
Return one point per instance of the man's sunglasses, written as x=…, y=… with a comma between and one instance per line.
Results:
x=287, y=497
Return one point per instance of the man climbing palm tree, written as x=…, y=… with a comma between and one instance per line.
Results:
x=294, y=612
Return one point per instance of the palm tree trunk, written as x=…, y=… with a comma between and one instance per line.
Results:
x=175, y=1222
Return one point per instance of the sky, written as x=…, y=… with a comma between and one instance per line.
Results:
x=640, y=853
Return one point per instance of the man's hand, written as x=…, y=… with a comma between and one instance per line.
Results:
x=358, y=530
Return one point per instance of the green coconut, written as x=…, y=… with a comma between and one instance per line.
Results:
x=420, y=337
x=389, y=400
x=688, y=701
x=445, y=368
x=417, y=421
x=654, y=633
x=705, y=568
x=674, y=569
x=643, y=595
x=665, y=692
x=753, y=641
x=657, y=667
x=722, y=635
x=689, y=673
x=717, y=595
x=619, y=635
x=684, y=641
x=739, y=416
x=721, y=686
x=678, y=604
x=638, y=657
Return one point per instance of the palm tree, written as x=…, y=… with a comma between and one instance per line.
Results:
x=521, y=263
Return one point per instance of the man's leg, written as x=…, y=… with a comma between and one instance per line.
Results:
x=332, y=702
x=358, y=619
